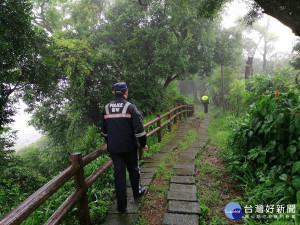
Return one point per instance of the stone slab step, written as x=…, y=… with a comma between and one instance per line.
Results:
x=200, y=145
x=147, y=175
x=150, y=164
x=183, y=187
x=156, y=157
x=187, y=155
x=180, y=219
x=184, y=161
x=121, y=219
x=184, y=166
x=129, y=192
x=147, y=169
x=146, y=181
x=132, y=205
x=183, y=179
x=184, y=207
x=183, y=172
x=182, y=196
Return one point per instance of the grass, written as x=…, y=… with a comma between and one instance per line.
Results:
x=190, y=138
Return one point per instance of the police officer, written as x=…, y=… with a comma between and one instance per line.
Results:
x=205, y=103
x=124, y=133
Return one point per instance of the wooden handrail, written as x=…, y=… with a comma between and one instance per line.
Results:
x=22, y=211
x=94, y=155
x=28, y=206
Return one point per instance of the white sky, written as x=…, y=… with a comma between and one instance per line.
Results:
x=26, y=134
x=286, y=37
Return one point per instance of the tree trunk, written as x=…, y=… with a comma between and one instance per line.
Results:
x=222, y=84
x=249, y=68
x=265, y=55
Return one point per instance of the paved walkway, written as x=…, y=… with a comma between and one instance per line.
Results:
x=182, y=199
x=183, y=206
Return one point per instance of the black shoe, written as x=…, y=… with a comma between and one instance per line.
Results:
x=141, y=192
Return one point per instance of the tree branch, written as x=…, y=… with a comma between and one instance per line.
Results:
x=169, y=80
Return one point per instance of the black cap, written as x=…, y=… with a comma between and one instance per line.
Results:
x=120, y=88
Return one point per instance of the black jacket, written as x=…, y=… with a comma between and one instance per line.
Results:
x=122, y=126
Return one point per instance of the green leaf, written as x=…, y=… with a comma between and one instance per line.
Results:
x=292, y=149
x=269, y=118
x=272, y=158
x=271, y=108
x=283, y=177
x=268, y=194
x=279, y=187
x=253, y=154
x=296, y=183
x=280, y=118
x=250, y=133
x=258, y=125
x=296, y=167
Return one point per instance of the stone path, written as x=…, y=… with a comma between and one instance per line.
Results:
x=183, y=205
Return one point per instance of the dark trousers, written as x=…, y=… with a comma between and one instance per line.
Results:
x=205, y=107
x=122, y=161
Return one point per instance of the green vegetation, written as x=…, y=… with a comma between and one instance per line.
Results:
x=263, y=150
x=61, y=57
x=261, y=147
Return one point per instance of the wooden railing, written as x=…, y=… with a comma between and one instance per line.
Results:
x=76, y=170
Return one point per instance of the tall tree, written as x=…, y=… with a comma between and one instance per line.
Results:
x=147, y=46
x=21, y=60
x=160, y=43
x=227, y=52
x=264, y=45
x=23, y=66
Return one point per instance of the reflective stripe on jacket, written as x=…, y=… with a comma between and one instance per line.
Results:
x=122, y=126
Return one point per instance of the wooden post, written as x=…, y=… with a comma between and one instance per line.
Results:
x=159, y=125
x=193, y=110
x=169, y=124
x=179, y=116
x=175, y=118
x=79, y=182
x=188, y=111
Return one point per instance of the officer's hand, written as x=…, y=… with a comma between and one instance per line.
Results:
x=145, y=148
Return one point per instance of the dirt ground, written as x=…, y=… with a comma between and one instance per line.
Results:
x=155, y=204
x=216, y=186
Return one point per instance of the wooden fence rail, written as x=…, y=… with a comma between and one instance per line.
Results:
x=76, y=170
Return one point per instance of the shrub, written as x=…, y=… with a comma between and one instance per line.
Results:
x=263, y=84
x=264, y=148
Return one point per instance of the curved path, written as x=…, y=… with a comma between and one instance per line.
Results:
x=183, y=207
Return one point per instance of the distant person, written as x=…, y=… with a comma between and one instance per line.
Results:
x=124, y=133
x=205, y=103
